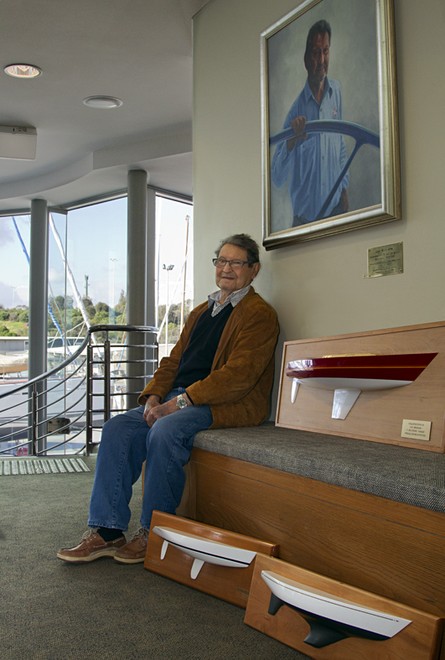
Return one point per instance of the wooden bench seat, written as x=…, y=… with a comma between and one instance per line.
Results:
x=396, y=473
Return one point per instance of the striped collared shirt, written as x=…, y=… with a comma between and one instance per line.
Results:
x=234, y=298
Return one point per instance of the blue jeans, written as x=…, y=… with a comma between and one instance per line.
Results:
x=126, y=443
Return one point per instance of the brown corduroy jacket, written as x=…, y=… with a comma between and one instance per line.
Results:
x=239, y=385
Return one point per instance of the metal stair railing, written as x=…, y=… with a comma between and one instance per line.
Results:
x=63, y=410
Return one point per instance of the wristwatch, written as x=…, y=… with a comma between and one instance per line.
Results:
x=181, y=401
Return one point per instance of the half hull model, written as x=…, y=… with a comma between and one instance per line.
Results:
x=331, y=619
x=349, y=375
x=204, y=550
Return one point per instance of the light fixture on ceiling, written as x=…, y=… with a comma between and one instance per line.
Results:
x=18, y=142
x=23, y=71
x=102, y=102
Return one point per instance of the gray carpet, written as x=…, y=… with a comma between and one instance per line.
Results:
x=54, y=611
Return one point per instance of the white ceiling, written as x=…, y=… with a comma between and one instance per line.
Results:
x=137, y=50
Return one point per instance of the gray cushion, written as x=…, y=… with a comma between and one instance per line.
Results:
x=412, y=476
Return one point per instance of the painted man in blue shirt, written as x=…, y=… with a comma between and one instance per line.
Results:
x=310, y=163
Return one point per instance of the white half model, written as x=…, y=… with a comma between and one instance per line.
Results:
x=349, y=375
x=323, y=604
x=203, y=550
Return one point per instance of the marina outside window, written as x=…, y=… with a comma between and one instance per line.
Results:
x=87, y=266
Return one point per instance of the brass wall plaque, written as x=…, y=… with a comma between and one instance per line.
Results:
x=416, y=429
x=385, y=260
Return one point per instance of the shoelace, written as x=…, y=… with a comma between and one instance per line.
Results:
x=141, y=533
x=88, y=533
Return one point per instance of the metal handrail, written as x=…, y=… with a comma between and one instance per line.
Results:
x=62, y=408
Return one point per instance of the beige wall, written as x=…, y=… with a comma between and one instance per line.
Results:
x=319, y=287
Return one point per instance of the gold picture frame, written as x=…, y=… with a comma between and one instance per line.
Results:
x=343, y=171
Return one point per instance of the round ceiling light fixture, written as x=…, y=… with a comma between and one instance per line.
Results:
x=23, y=71
x=103, y=102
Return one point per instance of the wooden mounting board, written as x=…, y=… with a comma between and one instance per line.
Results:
x=378, y=415
x=420, y=640
x=230, y=584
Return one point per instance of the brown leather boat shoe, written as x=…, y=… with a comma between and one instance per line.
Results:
x=91, y=547
x=134, y=551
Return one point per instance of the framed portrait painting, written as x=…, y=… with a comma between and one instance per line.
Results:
x=330, y=141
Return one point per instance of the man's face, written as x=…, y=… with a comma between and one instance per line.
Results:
x=317, y=61
x=231, y=278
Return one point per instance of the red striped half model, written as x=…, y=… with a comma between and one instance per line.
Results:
x=398, y=367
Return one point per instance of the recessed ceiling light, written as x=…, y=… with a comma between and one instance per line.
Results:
x=22, y=70
x=103, y=102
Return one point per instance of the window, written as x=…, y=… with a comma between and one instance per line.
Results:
x=87, y=271
x=87, y=268
x=14, y=295
x=174, y=271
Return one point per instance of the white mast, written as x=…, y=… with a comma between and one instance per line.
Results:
x=77, y=296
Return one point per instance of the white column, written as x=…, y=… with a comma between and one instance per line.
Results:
x=38, y=311
x=136, y=247
x=38, y=288
x=136, y=277
x=151, y=259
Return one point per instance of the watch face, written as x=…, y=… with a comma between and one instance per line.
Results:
x=181, y=402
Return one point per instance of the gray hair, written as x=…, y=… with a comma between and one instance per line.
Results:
x=243, y=241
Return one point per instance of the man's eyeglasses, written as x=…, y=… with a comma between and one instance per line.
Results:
x=236, y=264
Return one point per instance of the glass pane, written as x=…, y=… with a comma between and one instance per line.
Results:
x=97, y=263
x=58, y=329
x=174, y=272
x=14, y=319
x=14, y=296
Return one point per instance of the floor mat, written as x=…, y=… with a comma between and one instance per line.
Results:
x=23, y=466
